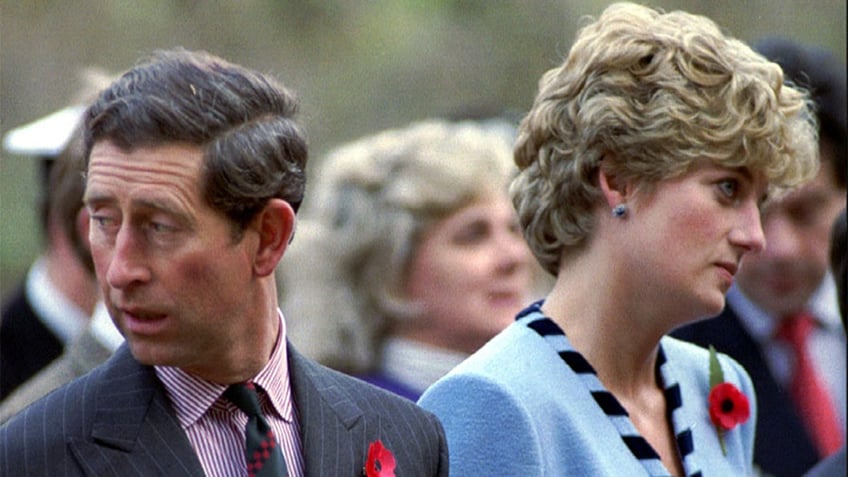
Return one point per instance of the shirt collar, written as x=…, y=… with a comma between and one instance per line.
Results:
x=762, y=325
x=192, y=396
x=59, y=314
x=103, y=329
x=415, y=364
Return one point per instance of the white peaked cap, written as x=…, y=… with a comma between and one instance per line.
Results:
x=45, y=137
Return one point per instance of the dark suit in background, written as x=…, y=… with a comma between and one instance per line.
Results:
x=26, y=345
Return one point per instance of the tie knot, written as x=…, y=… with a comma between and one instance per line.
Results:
x=244, y=396
x=796, y=328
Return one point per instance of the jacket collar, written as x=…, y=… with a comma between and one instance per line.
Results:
x=329, y=419
x=132, y=414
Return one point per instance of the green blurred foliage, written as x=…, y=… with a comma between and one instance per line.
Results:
x=358, y=65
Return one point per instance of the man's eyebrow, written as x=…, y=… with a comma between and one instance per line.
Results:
x=157, y=204
x=141, y=203
x=89, y=199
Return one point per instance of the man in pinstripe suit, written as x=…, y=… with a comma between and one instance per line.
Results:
x=195, y=169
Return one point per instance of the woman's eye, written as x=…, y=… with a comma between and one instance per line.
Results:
x=729, y=187
x=473, y=233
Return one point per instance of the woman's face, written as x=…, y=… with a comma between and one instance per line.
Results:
x=471, y=274
x=685, y=239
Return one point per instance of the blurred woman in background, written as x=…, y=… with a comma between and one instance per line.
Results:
x=408, y=255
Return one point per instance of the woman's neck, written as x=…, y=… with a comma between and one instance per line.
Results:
x=609, y=325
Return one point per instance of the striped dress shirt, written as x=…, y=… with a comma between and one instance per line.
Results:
x=215, y=427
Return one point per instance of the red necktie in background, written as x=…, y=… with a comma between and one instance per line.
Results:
x=807, y=388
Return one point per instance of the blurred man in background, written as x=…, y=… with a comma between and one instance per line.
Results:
x=835, y=465
x=782, y=320
x=54, y=303
x=100, y=338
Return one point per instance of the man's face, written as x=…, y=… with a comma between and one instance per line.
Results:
x=172, y=277
x=783, y=277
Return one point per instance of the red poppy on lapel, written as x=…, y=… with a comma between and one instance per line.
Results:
x=380, y=461
x=728, y=406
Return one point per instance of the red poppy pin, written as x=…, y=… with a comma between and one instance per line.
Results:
x=728, y=405
x=380, y=461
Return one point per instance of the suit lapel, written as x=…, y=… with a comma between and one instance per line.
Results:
x=134, y=425
x=781, y=445
x=777, y=417
x=333, y=429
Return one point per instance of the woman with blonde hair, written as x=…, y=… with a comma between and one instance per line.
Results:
x=408, y=255
x=644, y=161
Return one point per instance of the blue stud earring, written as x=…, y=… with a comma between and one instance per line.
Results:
x=619, y=211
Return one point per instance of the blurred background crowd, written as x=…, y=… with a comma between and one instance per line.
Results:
x=410, y=108
x=359, y=67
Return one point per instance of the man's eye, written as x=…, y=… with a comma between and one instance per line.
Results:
x=101, y=221
x=160, y=227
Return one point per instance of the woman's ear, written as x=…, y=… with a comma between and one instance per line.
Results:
x=275, y=225
x=615, y=190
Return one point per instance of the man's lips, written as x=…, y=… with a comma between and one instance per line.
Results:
x=142, y=314
x=140, y=321
x=783, y=284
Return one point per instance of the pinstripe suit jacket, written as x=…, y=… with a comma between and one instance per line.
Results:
x=117, y=421
x=515, y=408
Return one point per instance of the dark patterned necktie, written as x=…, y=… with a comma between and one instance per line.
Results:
x=264, y=458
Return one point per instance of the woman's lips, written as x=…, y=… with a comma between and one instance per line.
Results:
x=727, y=271
x=505, y=299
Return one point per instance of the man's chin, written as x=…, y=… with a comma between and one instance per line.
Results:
x=150, y=355
x=786, y=304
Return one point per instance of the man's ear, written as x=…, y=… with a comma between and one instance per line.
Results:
x=275, y=225
x=82, y=227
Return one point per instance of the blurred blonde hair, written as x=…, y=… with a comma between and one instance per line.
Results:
x=650, y=93
x=342, y=280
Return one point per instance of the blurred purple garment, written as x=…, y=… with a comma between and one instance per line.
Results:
x=382, y=381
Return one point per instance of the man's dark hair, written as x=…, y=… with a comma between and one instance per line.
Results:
x=244, y=122
x=819, y=71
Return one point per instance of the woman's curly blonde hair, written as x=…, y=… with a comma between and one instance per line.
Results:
x=373, y=200
x=650, y=93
